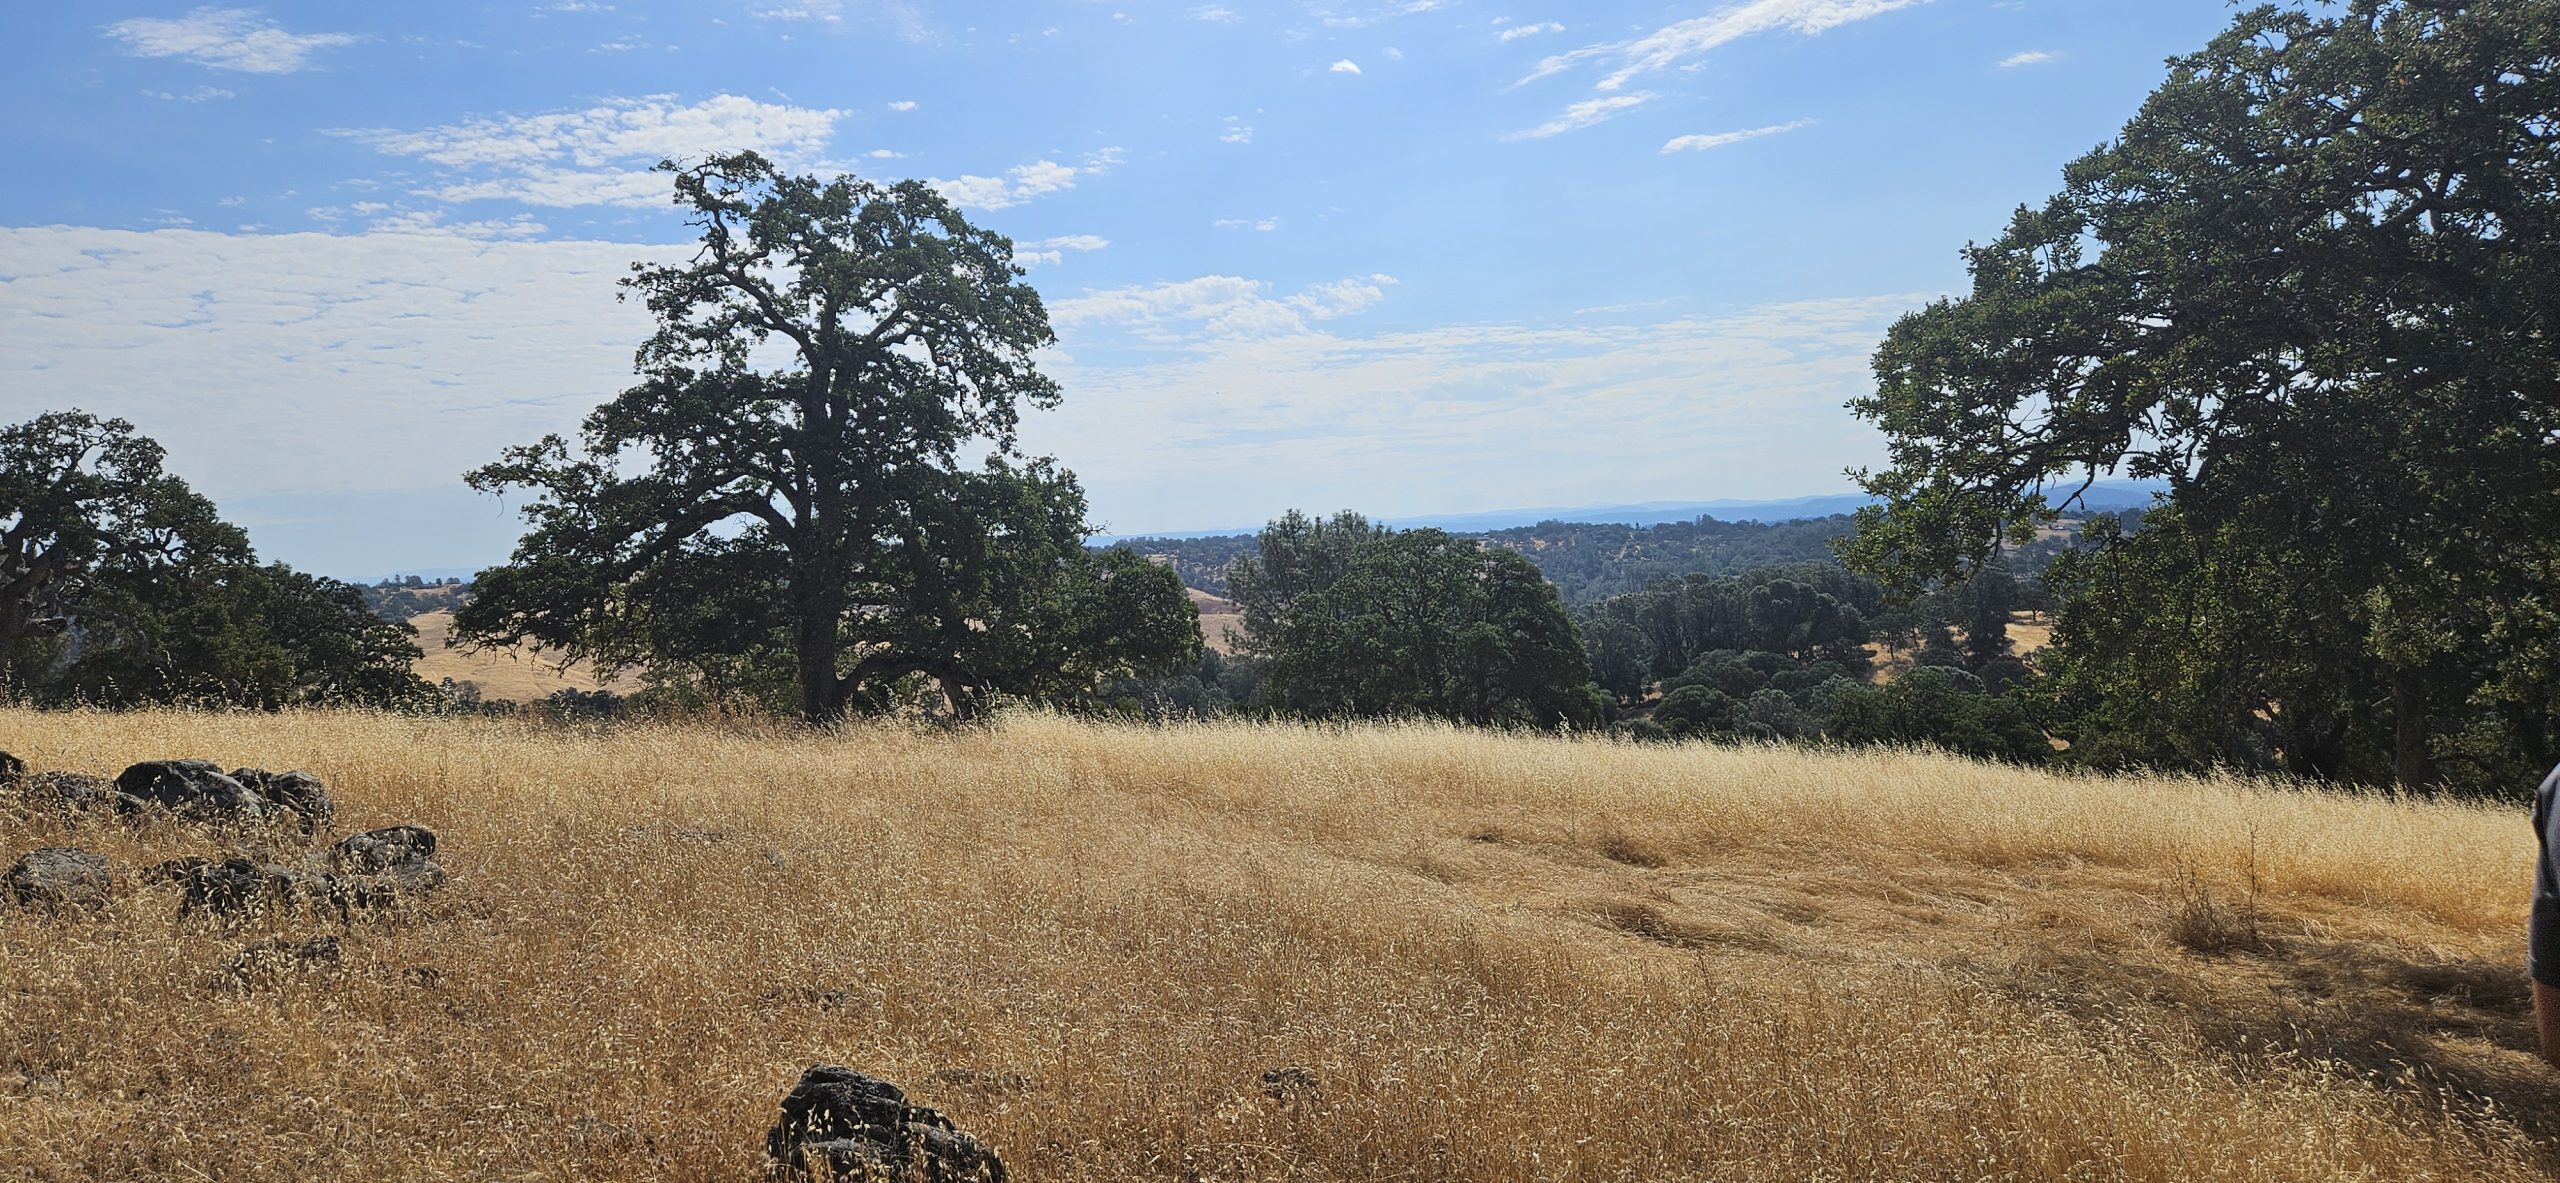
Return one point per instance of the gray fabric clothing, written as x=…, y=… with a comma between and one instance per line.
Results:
x=2542, y=931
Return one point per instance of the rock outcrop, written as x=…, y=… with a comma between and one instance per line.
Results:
x=861, y=1127
x=58, y=877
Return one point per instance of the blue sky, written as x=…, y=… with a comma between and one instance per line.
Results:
x=1407, y=256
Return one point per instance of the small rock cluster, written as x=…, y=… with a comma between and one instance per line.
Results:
x=363, y=873
x=861, y=1127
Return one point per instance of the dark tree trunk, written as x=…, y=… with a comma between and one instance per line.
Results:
x=2411, y=765
x=818, y=609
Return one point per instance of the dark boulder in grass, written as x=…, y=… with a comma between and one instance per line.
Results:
x=861, y=1127
x=11, y=769
x=56, y=878
x=236, y=887
x=192, y=790
x=299, y=794
x=69, y=794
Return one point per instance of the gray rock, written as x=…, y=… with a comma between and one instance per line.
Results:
x=236, y=887
x=67, y=792
x=193, y=790
x=398, y=858
x=58, y=877
x=299, y=794
x=861, y=1127
x=11, y=768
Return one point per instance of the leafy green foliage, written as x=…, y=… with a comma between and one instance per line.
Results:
x=120, y=585
x=2309, y=286
x=1944, y=707
x=801, y=532
x=1418, y=623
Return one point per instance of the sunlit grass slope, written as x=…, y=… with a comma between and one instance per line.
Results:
x=1502, y=958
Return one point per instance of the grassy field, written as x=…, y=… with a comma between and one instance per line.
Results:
x=1503, y=957
x=514, y=674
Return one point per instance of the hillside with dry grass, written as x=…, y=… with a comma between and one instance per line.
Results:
x=1498, y=957
x=512, y=673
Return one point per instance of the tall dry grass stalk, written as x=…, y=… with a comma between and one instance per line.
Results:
x=1503, y=957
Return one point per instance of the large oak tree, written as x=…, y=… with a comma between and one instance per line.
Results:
x=2311, y=286
x=784, y=504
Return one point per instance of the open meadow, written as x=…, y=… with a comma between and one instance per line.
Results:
x=1496, y=957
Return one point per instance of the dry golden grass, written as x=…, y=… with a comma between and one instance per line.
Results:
x=1504, y=957
x=503, y=675
x=1221, y=620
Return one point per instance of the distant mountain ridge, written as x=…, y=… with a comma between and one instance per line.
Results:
x=2101, y=497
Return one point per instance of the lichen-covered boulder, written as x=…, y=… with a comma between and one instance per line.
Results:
x=861, y=1127
x=67, y=792
x=57, y=877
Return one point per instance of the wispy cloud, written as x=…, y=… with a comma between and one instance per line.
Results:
x=901, y=16
x=241, y=39
x=1241, y=423
x=1264, y=225
x=1223, y=307
x=601, y=155
x=1676, y=44
x=2032, y=57
x=1700, y=143
x=1345, y=66
x=1214, y=13
x=201, y=94
x=1052, y=251
x=903, y=105
x=1584, y=114
x=1516, y=32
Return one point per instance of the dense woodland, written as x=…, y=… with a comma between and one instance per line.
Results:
x=2307, y=291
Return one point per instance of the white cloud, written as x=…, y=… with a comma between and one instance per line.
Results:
x=1674, y=44
x=885, y=154
x=241, y=39
x=519, y=227
x=1461, y=417
x=313, y=353
x=903, y=105
x=1023, y=182
x=1583, y=114
x=602, y=155
x=1214, y=13
x=901, y=16
x=1377, y=13
x=1516, y=32
x=578, y=6
x=1073, y=242
x=1236, y=132
x=1219, y=307
x=201, y=94
x=1266, y=225
x=1700, y=143
x=2032, y=57
x=1345, y=66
